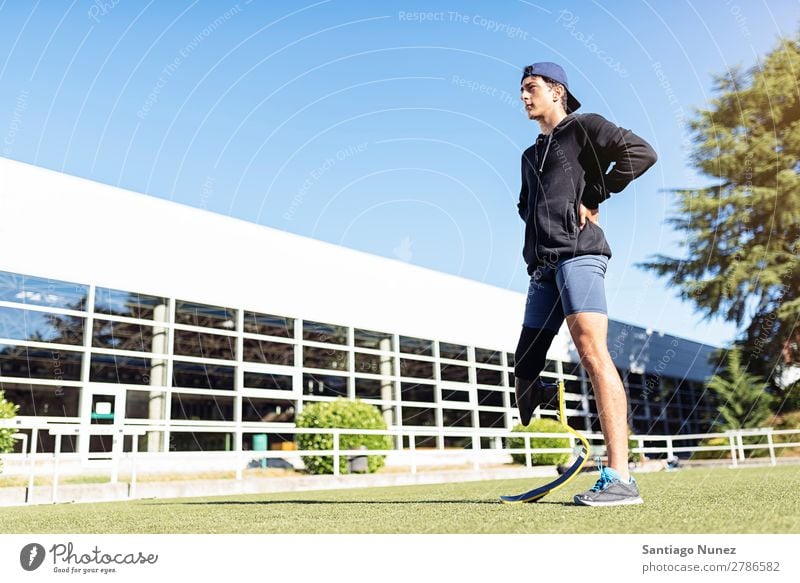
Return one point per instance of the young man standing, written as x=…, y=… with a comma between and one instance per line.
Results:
x=565, y=176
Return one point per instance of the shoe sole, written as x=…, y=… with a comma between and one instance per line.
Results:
x=625, y=502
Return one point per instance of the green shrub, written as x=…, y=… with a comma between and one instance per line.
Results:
x=716, y=454
x=7, y=411
x=789, y=420
x=540, y=459
x=341, y=413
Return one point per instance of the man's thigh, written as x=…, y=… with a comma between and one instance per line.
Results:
x=543, y=307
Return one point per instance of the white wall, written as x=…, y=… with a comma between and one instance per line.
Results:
x=69, y=228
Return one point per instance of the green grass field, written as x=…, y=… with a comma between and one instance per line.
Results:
x=719, y=500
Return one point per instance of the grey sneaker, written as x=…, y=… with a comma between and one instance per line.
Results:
x=610, y=490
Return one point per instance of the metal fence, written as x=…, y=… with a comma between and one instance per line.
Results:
x=646, y=444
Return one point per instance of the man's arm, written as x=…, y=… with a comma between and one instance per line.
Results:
x=631, y=156
x=522, y=205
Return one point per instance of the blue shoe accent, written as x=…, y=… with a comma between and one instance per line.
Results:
x=607, y=477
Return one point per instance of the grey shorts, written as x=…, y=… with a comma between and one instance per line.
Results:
x=572, y=285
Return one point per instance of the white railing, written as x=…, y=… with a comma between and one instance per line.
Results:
x=736, y=446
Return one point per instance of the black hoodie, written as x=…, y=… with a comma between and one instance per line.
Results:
x=567, y=167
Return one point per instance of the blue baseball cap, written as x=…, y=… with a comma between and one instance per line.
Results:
x=556, y=73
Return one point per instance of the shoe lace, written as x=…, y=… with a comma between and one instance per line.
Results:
x=604, y=481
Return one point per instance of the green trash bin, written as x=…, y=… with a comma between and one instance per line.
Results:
x=261, y=443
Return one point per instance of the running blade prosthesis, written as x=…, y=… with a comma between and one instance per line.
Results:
x=538, y=493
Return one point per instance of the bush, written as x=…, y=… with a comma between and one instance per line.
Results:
x=540, y=459
x=7, y=411
x=341, y=413
x=789, y=420
x=716, y=454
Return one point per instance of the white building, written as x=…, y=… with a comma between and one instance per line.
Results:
x=125, y=309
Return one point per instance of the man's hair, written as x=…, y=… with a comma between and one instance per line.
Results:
x=550, y=83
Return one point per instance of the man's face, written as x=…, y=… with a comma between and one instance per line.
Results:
x=537, y=97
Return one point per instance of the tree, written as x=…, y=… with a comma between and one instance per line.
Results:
x=7, y=411
x=742, y=396
x=742, y=234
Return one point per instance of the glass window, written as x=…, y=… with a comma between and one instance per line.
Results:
x=489, y=377
x=200, y=441
x=491, y=419
x=40, y=291
x=268, y=324
x=324, y=358
x=188, y=407
x=127, y=336
x=130, y=304
x=374, y=389
x=267, y=410
x=419, y=346
x=193, y=314
x=18, y=324
x=452, y=351
x=455, y=395
x=320, y=332
x=374, y=340
x=145, y=404
x=419, y=416
x=266, y=352
x=416, y=368
x=418, y=392
x=487, y=356
x=202, y=345
x=490, y=398
x=510, y=358
x=129, y=370
x=40, y=363
x=374, y=363
x=275, y=382
x=456, y=418
x=43, y=401
x=324, y=385
x=191, y=375
x=457, y=442
x=454, y=373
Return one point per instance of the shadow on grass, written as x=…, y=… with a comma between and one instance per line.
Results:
x=377, y=502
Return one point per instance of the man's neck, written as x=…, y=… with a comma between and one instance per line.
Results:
x=551, y=120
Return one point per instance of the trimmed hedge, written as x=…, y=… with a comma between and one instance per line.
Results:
x=540, y=459
x=342, y=413
x=7, y=411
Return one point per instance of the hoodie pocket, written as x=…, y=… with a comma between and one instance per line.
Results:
x=571, y=225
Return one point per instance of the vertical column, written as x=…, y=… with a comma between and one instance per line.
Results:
x=238, y=382
x=158, y=375
x=86, y=393
x=387, y=380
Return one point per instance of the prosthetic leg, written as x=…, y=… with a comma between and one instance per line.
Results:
x=583, y=454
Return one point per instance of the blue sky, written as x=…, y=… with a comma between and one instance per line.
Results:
x=394, y=128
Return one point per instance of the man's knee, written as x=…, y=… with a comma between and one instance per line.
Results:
x=595, y=359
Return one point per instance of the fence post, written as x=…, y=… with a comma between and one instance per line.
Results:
x=34, y=447
x=670, y=452
x=55, y=467
x=335, y=452
x=476, y=451
x=134, y=449
x=741, y=445
x=412, y=448
x=771, y=447
x=528, y=462
x=732, y=442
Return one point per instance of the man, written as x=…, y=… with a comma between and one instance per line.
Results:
x=565, y=177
